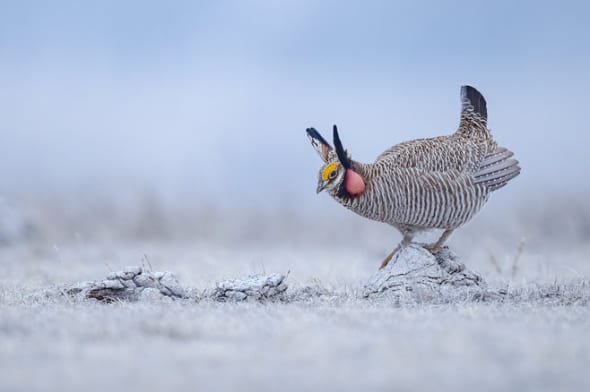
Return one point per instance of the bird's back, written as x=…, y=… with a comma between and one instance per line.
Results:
x=452, y=153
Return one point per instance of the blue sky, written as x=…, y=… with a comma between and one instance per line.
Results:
x=214, y=97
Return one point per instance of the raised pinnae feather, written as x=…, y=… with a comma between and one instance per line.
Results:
x=319, y=144
x=313, y=134
x=342, y=155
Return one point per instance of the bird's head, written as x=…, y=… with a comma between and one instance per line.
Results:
x=331, y=176
x=336, y=175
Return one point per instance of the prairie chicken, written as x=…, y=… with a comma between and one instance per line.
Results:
x=436, y=183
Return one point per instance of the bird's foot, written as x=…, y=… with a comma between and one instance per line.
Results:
x=445, y=259
x=433, y=248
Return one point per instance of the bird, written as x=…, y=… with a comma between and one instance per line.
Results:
x=422, y=184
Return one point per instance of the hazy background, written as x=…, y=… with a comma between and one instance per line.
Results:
x=172, y=135
x=186, y=107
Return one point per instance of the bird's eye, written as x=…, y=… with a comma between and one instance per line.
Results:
x=332, y=174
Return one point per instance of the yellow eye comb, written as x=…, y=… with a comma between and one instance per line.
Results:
x=329, y=169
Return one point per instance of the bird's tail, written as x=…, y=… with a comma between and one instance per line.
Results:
x=474, y=113
x=473, y=103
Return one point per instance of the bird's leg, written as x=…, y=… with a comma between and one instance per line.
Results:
x=405, y=241
x=389, y=257
x=437, y=246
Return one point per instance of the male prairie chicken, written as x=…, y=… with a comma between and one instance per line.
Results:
x=436, y=183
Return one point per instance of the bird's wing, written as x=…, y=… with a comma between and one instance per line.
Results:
x=319, y=144
x=493, y=170
x=496, y=169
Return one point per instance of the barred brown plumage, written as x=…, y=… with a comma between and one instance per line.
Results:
x=435, y=183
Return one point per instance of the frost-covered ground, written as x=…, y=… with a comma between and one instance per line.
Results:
x=535, y=336
x=339, y=341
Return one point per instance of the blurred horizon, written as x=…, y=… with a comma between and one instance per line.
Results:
x=210, y=100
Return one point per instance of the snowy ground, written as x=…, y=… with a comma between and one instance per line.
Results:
x=539, y=341
x=534, y=337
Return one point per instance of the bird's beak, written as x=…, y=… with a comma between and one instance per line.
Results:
x=321, y=185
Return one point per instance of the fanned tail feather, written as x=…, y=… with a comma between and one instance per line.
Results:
x=472, y=100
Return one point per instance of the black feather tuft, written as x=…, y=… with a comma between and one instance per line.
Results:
x=342, y=156
x=314, y=134
x=471, y=97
